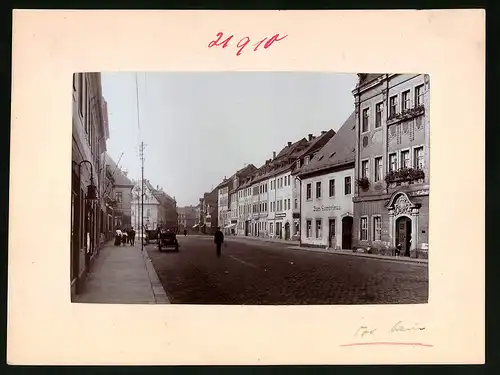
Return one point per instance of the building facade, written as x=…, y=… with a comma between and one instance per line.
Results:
x=391, y=197
x=89, y=135
x=315, y=143
x=187, y=217
x=122, y=189
x=326, y=182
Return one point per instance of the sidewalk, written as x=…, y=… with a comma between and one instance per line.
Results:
x=263, y=239
x=125, y=275
x=362, y=255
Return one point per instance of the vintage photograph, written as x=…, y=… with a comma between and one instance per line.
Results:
x=250, y=188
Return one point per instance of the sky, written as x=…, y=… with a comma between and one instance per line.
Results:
x=200, y=127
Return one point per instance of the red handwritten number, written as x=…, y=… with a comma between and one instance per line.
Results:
x=274, y=38
x=215, y=43
x=244, y=42
x=242, y=46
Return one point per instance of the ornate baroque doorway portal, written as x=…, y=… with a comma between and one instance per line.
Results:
x=403, y=222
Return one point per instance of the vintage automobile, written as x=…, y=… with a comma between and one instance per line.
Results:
x=167, y=239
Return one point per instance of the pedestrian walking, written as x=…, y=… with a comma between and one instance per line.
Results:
x=218, y=240
x=124, y=238
x=118, y=237
x=185, y=232
x=132, y=236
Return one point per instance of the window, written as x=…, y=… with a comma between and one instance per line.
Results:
x=364, y=229
x=347, y=185
x=393, y=162
x=318, y=190
x=405, y=159
x=306, y=160
x=419, y=95
x=308, y=191
x=405, y=100
x=331, y=188
x=309, y=228
x=418, y=158
x=148, y=212
x=393, y=105
x=296, y=203
x=364, y=169
x=289, y=180
x=298, y=164
x=318, y=228
x=119, y=197
x=289, y=206
x=366, y=114
x=378, y=114
x=377, y=228
x=378, y=169
x=271, y=227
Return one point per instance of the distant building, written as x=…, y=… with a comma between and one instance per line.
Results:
x=159, y=209
x=228, y=198
x=186, y=217
x=391, y=197
x=122, y=188
x=326, y=181
x=209, y=212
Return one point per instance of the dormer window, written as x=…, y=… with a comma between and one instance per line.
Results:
x=306, y=160
x=298, y=163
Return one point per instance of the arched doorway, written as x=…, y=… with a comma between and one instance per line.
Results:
x=403, y=234
x=403, y=222
x=287, y=231
x=347, y=232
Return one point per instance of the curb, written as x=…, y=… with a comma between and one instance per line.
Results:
x=287, y=243
x=158, y=291
x=361, y=255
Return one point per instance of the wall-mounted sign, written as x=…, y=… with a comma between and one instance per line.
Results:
x=326, y=208
x=419, y=193
x=280, y=215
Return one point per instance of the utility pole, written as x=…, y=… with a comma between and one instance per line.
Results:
x=141, y=151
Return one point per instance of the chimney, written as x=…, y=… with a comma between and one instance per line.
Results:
x=323, y=132
x=274, y=154
x=310, y=137
x=289, y=144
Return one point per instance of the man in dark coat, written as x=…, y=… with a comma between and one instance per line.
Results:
x=218, y=240
x=132, y=236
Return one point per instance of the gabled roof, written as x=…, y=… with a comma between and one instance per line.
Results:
x=289, y=149
x=162, y=197
x=339, y=150
x=243, y=172
x=117, y=173
x=366, y=78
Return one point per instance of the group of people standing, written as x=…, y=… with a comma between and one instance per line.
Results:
x=127, y=236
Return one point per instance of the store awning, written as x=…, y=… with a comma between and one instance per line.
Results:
x=230, y=226
x=195, y=226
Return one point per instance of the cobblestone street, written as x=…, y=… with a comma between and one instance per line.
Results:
x=270, y=273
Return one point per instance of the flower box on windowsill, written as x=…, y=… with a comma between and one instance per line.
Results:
x=363, y=183
x=406, y=114
x=409, y=175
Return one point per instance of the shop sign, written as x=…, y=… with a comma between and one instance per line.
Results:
x=326, y=208
x=280, y=215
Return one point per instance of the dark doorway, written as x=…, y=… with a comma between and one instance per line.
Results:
x=403, y=234
x=246, y=228
x=347, y=232
x=287, y=231
x=331, y=233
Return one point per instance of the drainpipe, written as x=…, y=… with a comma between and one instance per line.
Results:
x=300, y=209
